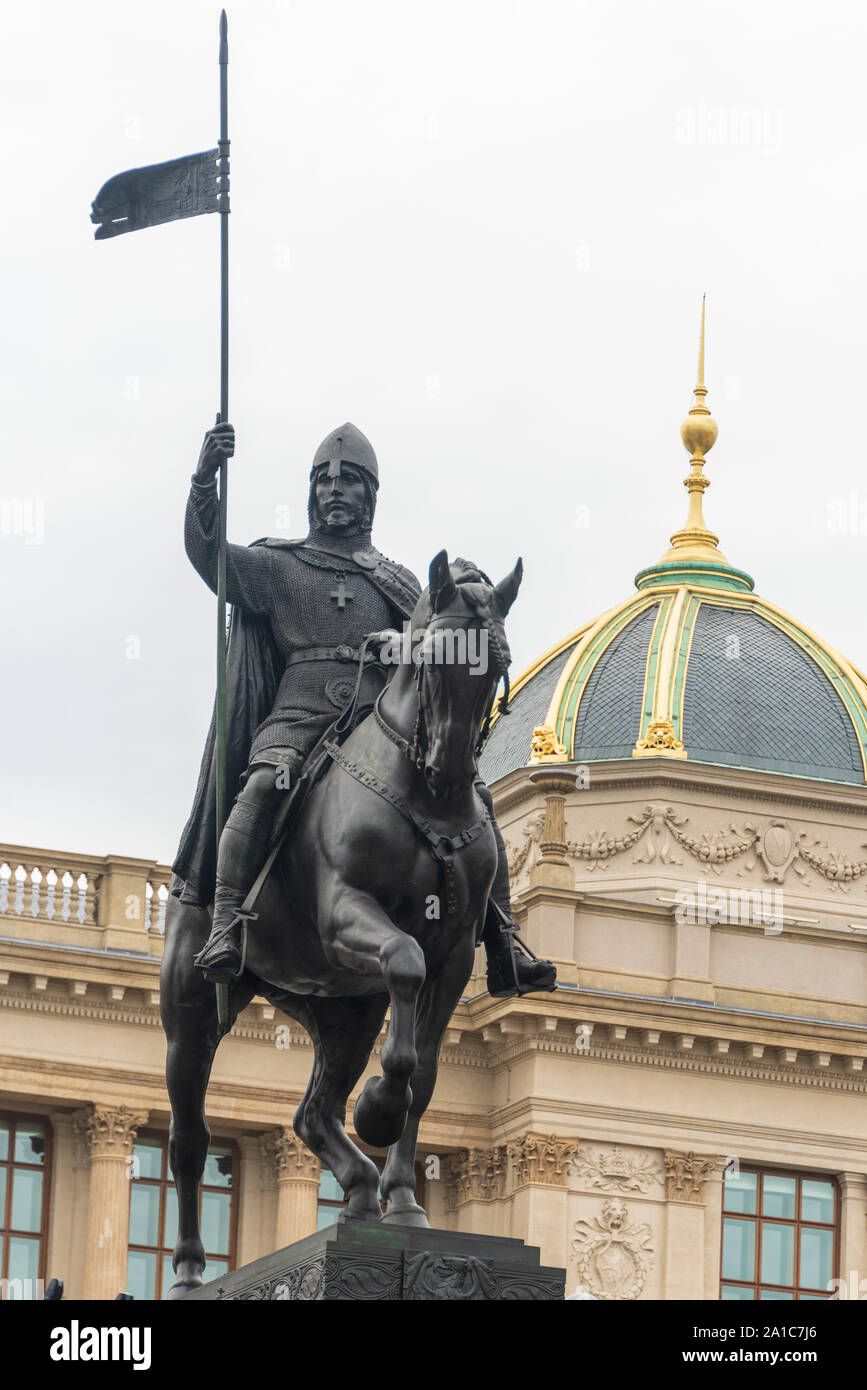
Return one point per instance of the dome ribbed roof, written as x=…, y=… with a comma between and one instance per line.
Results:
x=693, y=666
x=712, y=675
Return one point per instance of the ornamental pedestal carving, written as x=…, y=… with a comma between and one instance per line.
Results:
x=364, y=1262
x=295, y=1173
x=109, y=1133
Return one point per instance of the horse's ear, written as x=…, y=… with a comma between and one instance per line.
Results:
x=507, y=589
x=442, y=586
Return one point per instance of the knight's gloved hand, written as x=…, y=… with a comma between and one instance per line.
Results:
x=218, y=444
x=388, y=639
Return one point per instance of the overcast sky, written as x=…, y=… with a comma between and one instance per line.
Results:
x=481, y=231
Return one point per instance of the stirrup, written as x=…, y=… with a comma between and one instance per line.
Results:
x=215, y=940
x=511, y=933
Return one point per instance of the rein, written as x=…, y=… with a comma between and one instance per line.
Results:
x=443, y=848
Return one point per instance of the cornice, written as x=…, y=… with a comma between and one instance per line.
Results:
x=599, y=1123
x=740, y=784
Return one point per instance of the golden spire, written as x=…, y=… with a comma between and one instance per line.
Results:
x=698, y=432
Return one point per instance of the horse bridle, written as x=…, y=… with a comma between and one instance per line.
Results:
x=415, y=748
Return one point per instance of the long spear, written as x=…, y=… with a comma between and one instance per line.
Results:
x=188, y=187
x=223, y=206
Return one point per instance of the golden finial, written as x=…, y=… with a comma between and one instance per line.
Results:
x=698, y=432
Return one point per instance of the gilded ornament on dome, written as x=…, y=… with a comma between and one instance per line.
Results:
x=661, y=737
x=546, y=746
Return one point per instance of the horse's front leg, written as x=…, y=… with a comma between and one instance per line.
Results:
x=363, y=937
x=437, y=1001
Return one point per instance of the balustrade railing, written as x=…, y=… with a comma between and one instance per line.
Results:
x=56, y=887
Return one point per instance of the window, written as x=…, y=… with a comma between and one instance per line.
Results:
x=779, y=1236
x=24, y=1143
x=153, y=1216
x=331, y=1201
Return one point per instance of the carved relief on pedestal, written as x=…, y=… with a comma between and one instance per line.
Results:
x=611, y=1170
x=686, y=1175
x=286, y=1159
x=476, y=1175
x=613, y=1255
x=541, y=1158
x=109, y=1131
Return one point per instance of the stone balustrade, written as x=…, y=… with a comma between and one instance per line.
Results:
x=51, y=895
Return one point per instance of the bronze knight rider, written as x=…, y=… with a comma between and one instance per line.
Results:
x=301, y=610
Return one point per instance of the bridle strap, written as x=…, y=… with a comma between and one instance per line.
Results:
x=443, y=848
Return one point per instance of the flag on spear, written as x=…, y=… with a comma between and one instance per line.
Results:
x=159, y=193
x=138, y=198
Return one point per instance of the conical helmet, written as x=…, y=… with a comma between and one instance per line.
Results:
x=346, y=445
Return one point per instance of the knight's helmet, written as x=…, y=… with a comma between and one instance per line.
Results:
x=346, y=444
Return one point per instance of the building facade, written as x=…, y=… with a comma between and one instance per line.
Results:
x=681, y=785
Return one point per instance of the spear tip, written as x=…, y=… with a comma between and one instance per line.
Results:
x=224, y=39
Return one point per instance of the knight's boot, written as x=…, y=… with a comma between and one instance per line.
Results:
x=513, y=969
x=244, y=846
x=221, y=958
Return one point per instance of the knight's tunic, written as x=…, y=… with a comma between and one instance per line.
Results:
x=314, y=602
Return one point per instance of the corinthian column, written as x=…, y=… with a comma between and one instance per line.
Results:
x=296, y=1174
x=109, y=1133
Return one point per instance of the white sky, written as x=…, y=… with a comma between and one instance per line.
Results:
x=480, y=231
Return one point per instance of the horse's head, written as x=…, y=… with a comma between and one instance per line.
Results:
x=459, y=661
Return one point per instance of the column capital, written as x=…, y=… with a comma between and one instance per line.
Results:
x=109, y=1131
x=288, y=1159
x=477, y=1175
x=853, y=1185
x=541, y=1158
x=686, y=1175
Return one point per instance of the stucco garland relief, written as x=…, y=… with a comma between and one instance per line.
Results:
x=660, y=833
x=614, y=1256
x=611, y=1170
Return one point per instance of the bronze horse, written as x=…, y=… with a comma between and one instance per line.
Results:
x=376, y=899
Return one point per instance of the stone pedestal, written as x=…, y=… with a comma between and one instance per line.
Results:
x=366, y=1261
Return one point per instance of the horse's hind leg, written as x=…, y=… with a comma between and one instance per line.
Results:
x=343, y=1032
x=189, y=1015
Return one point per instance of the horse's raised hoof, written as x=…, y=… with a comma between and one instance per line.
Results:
x=380, y=1118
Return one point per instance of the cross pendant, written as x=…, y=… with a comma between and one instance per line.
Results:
x=341, y=594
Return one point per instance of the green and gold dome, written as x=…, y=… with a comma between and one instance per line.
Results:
x=694, y=665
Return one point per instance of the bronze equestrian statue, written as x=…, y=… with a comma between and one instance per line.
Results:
x=392, y=869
